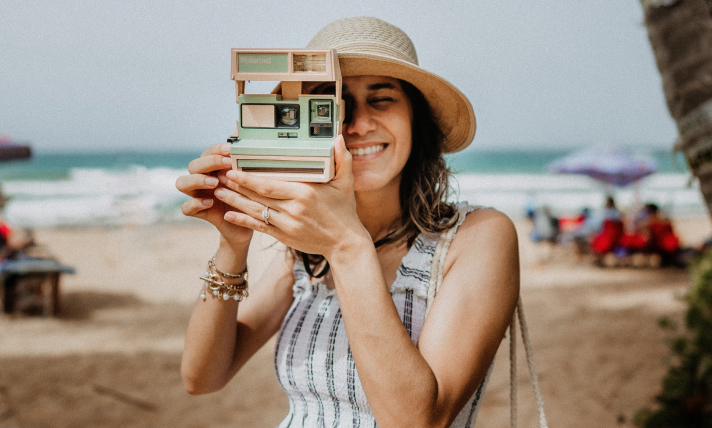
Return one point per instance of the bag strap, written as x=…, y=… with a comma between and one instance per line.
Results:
x=436, y=278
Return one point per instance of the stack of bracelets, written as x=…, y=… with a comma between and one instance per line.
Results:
x=215, y=284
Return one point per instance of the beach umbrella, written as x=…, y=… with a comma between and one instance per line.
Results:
x=10, y=150
x=608, y=165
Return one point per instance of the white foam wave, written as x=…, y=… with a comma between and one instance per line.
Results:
x=139, y=196
x=135, y=196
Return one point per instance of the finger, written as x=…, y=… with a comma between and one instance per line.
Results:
x=246, y=220
x=343, y=160
x=265, y=187
x=248, y=206
x=195, y=205
x=256, y=197
x=208, y=164
x=222, y=149
x=189, y=184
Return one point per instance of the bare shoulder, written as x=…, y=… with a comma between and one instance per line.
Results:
x=487, y=238
x=487, y=227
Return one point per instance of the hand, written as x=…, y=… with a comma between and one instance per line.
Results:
x=206, y=174
x=310, y=217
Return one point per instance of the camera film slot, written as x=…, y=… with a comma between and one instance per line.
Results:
x=310, y=169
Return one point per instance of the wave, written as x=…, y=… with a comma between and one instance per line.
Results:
x=96, y=197
x=140, y=195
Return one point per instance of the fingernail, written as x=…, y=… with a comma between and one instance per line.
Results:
x=232, y=175
x=225, y=148
x=227, y=161
x=208, y=202
x=211, y=181
x=230, y=217
x=220, y=193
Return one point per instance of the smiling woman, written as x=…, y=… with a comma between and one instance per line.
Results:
x=355, y=347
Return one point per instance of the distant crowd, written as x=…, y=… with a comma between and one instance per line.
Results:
x=642, y=237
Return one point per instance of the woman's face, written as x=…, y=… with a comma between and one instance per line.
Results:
x=379, y=133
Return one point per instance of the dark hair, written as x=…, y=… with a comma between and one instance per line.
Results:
x=424, y=187
x=651, y=208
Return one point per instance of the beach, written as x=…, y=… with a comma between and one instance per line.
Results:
x=112, y=356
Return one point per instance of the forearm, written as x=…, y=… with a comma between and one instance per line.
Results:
x=399, y=384
x=210, y=342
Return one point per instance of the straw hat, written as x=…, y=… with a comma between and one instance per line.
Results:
x=370, y=46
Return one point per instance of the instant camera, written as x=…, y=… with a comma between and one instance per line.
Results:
x=288, y=136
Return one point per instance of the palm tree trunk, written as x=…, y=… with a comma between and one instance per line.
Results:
x=680, y=33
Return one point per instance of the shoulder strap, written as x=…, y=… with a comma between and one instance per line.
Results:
x=441, y=248
x=436, y=278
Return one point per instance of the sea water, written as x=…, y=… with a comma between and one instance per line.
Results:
x=53, y=190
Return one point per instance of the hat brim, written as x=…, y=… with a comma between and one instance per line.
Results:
x=451, y=108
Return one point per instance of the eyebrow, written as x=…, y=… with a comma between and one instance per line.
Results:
x=376, y=86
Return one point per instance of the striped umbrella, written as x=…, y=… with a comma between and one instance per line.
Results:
x=608, y=165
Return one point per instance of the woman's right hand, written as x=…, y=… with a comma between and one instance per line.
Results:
x=207, y=174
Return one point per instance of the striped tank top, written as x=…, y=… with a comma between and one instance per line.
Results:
x=313, y=359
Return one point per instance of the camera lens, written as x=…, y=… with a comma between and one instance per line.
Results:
x=288, y=116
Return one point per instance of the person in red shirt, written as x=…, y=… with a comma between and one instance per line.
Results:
x=661, y=236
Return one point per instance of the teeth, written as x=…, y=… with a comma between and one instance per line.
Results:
x=366, y=150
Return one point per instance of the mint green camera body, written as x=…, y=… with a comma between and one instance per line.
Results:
x=287, y=136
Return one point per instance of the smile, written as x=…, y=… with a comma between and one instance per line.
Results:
x=361, y=151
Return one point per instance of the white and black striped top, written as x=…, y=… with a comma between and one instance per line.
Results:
x=313, y=359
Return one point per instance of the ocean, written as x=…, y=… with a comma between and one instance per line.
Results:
x=59, y=190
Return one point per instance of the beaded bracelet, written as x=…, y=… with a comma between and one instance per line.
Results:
x=215, y=284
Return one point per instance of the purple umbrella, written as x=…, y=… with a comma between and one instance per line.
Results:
x=10, y=150
x=609, y=165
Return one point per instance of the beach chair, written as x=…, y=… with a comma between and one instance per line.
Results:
x=31, y=285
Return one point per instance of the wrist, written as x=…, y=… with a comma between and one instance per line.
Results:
x=231, y=257
x=349, y=249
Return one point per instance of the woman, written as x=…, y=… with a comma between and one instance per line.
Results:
x=354, y=346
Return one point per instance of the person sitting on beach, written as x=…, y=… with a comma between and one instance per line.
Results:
x=545, y=226
x=610, y=211
x=610, y=230
x=660, y=236
x=582, y=230
x=12, y=241
x=355, y=347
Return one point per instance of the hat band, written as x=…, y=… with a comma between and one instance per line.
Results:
x=376, y=49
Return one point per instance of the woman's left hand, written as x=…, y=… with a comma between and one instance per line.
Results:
x=313, y=218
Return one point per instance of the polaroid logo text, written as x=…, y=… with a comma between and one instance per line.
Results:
x=250, y=60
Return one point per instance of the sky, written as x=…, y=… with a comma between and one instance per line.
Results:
x=93, y=76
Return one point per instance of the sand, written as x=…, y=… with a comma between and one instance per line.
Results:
x=112, y=357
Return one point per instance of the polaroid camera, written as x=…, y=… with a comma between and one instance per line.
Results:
x=288, y=136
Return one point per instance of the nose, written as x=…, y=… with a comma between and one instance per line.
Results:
x=361, y=121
